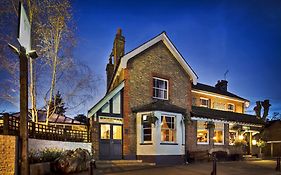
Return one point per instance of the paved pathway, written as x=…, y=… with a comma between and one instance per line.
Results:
x=264, y=167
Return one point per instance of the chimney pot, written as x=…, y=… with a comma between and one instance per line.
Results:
x=221, y=85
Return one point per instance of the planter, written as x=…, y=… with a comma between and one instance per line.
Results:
x=40, y=168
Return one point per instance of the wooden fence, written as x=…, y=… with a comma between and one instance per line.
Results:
x=11, y=124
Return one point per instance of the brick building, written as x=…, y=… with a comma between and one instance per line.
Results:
x=156, y=111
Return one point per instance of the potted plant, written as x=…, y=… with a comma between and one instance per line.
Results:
x=152, y=119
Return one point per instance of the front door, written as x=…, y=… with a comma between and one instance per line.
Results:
x=110, y=141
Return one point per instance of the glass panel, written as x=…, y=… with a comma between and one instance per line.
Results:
x=116, y=103
x=105, y=131
x=232, y=137
x=202, y=136
x=168, y=131
x=105, y=108
x=146, y=128
x=117, y=132
x=218, y=136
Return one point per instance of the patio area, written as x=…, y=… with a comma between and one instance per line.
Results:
x=223, y=168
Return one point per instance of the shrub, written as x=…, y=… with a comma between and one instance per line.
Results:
x=45, y=155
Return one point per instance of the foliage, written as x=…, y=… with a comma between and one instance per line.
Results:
x=239, y=142
x=261, y=143
x=45, y=155
x=82, y=118
x=152, y=119
x=57, y=105
x=209, y=125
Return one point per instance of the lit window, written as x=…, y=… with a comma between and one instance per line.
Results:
x=105, y=131
x=204, y=102
x=117, y=132
x=230, y=107
x=232, y=137
x=168, y=129
x=219, y=134
x=202, y=133
x=146, y=128
x=160, y=88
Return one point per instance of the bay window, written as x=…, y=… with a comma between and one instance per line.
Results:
x=146, y=128
x=168, y=129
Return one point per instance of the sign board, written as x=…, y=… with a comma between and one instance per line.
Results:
x=24, y=33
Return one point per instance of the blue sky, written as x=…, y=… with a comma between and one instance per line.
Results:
x=214, y=36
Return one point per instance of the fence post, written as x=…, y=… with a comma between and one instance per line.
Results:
x=33, y=129
x=277, y=164
x=6, y=123
x=214, y=172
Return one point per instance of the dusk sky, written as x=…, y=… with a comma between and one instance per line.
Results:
x=213, y=36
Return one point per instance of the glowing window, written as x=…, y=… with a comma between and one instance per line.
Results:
x=219, y=134
x=168, y=129
x=105, y=131
x=117, y=132
x=202, y=133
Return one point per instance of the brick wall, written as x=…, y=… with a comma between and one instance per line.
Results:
x=8, y=152
x=155, y=61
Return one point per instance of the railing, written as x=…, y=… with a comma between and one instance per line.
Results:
x=10, y=126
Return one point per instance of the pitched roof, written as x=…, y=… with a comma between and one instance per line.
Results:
x=208, y=88
x=207, y=113
x=54, y=118
x=161, y=37
x=159, y=105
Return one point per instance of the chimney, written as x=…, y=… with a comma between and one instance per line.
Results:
x=109, y=70
x=221, y=85
x=118, y=47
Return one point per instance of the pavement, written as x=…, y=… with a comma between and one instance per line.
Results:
x=262, y=167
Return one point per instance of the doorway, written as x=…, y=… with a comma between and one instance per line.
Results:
x=110, y=141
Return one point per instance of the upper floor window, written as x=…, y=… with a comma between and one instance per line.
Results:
x=230, y=107
x=168, y=129
x=160, y=88
x=204, y=102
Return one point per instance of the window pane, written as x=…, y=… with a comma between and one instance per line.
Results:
x=117, y=132
x=168, y=130
x=105, y=108
x=147, y=138
x=232, y=137
x=116, y=103
x=105, y=131
x=218, y=136
x=202, y=136
x=146, y=128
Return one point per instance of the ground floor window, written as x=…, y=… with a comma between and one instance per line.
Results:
x=219, y=134
x=232, y=137
x=105, y=131
x=202, y=133
x=146, y=128
x=168, y=128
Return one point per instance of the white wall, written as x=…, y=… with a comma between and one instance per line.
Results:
x=156, y=148
x=38, y=144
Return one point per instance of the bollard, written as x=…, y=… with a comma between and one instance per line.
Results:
x=277, y=164
x=92, y=167
x=214, y=172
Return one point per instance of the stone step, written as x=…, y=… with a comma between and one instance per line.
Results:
x=101, y=164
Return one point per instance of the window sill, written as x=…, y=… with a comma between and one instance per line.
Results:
x=202, y=143
x=163, y=143
x=156, y=98
x=146, y=143
x=219, y=144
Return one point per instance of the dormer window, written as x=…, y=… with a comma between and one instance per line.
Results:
x=230, y=107
x=204, y=102
x=160, y=88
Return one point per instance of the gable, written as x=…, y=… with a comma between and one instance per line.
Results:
x=164, y=38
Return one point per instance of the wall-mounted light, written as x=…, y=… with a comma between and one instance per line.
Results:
x=240, y=137
x=144, y=117
x=254, y=142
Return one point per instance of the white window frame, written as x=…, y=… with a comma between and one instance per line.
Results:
x=156, y=88
x=232, y=105
x=222, y=135
x=202, y=129
x=175, y=128
x=207, y=99
x=142, y=130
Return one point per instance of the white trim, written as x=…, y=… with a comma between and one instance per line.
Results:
x=162, y=37
x=106, y=99
x=217, y=95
